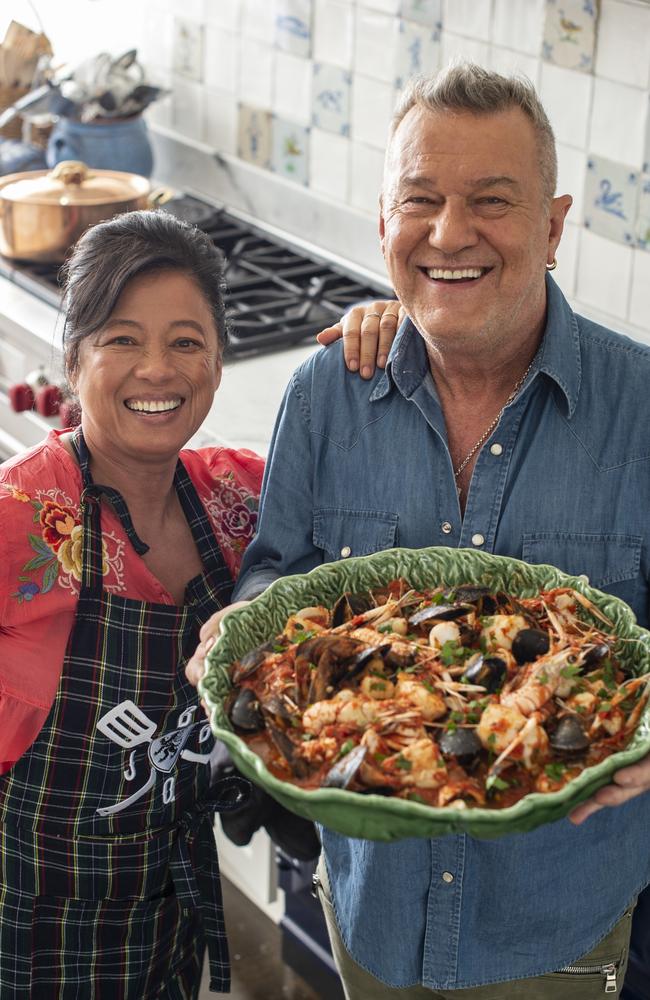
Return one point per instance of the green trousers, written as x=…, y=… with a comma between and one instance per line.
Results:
x=361, y=985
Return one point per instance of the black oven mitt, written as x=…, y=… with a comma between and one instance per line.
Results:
x=294, y=835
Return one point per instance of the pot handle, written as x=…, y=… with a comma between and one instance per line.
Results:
x=159, y=196
x=71, y=172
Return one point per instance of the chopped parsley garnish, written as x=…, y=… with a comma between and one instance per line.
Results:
x=492, y=738
x=494, y=781
x=403, y=763
x=543, y=677
x=378, y=686
x=555, y=771
x=609, y=680
x=452, y=652
x=346, y=747
x=429, y=686
x=571, y=670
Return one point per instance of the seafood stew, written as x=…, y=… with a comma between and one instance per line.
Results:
x=456, y=697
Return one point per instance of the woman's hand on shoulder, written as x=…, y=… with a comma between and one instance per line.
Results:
x=368, y=331
x=195, y=667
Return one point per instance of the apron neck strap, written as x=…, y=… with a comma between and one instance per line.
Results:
x=92, y=493
x=198, y=521
x=211, y=555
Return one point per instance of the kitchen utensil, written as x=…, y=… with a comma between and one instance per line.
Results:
x=43, y=213
x=382, y=818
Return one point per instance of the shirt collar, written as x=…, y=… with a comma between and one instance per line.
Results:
x=559, y=352
x=558, y=355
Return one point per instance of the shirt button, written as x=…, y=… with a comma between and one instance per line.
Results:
x=496, y=449
x=477, y=539
x=345, y=551
x=446, y=528
x=447, y=877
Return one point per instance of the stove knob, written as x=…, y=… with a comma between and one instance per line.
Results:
x=69, y=413
x=21, y=397
x=48, y=399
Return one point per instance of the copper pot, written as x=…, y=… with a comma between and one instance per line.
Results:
x=44, y=212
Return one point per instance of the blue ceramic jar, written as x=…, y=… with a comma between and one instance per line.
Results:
x=110, y=145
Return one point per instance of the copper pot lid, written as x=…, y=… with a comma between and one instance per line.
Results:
x=73, y=183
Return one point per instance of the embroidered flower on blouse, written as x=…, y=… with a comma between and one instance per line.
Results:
x=57, y=523
x=233, y=512
x=58, y=548
x=70, y=553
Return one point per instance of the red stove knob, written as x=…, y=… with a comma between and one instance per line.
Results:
x=69, y=413
x=48, y=399
x=21, y=397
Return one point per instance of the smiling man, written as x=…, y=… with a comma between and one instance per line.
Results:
x=506, y=423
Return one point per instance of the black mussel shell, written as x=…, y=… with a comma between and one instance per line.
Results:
x=488, y=671
x=287, y=748
x=349, y=605
x=366, y=655
x=569, y=738
x=482, y=598
x=595, y=654
x=440, y=612
x=342, y=773
x=528, y=644
x=249, y=662
x=463, y=744
x=244, y=711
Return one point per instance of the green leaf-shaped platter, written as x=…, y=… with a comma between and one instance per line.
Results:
x=377, y=817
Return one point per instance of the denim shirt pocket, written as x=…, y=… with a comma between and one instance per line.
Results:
x=341, y=532
x=611, y=562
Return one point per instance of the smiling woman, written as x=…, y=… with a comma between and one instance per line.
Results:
x=116, y=544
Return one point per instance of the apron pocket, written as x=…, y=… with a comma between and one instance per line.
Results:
x=113, y=949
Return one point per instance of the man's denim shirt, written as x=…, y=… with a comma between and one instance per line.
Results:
x=359, y=466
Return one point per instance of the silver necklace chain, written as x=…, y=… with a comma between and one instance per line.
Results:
x=486, y=433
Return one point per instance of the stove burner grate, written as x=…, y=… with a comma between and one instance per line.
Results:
x=275, y=295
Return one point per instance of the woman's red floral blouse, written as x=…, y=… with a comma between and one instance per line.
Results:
x=40, y=565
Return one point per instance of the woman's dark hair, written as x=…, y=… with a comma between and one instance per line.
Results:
x=109, y=254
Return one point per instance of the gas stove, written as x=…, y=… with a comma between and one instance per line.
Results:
x=276, y=294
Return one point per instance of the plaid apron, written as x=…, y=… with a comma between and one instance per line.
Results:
x=109, y=878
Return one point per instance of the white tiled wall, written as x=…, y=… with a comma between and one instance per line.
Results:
x=320, y=79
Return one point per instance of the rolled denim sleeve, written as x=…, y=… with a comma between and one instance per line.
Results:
x=283, y=543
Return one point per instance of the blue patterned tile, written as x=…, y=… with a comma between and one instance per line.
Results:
x=418, y=51
x=290, y=152
x=570, y=33
x=427, y=12
x=254, y=135
x=643, y=217
x=331, y=98
x=611, y=196
x=293, y=20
